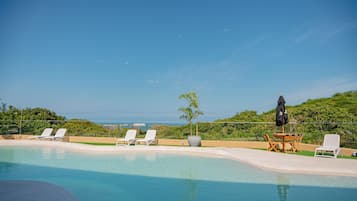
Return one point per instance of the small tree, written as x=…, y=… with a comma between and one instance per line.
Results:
x=2, y=106
x=187, y=115
x=192, y=111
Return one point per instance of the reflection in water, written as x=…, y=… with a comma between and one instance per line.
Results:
x=120, y=177
x=283, y=187
x=60, y=153
x=191, y=189
x=130, y=156
x=46, y=153
x=150, y=156
x=99, y=186
x=191, y=182
x=9, y=155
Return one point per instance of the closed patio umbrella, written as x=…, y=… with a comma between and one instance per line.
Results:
x=281, y=116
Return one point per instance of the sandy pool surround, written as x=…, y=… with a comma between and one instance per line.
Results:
x=262, y=159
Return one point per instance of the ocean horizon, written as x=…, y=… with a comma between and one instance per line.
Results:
x=143, y=125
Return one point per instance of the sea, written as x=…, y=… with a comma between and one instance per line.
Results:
x=142, y=125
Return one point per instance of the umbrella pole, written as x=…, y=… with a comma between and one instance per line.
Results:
x=283, y=129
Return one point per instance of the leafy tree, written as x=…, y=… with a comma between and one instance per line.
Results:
x=2, y=106
x=192, y=111
x=187, y=115
x=29, y=120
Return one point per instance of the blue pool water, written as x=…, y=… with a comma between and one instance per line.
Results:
x=152, y=176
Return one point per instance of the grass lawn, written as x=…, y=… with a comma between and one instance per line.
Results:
x=311, y=153
x=97, y=143
x=300, y=153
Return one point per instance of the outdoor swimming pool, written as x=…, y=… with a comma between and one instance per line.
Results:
x=153, y=176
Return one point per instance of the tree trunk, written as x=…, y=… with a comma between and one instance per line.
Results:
x=196, y=127
x=191, y=128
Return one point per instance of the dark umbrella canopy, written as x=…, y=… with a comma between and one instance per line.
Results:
x=281, y=116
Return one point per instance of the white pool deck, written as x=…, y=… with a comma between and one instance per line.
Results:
x=262, y=159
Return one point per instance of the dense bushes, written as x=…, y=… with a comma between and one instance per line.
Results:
x=29, y=120
x=314, y=118
x=79, y=127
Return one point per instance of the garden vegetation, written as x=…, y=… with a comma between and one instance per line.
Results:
x=313, y=119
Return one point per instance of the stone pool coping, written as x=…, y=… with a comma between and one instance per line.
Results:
x=279, y=162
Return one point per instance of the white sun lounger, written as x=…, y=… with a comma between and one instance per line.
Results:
x=45, y=133
x=129, y=137
x=331, y=145
x=59, y=134
x=150, y=137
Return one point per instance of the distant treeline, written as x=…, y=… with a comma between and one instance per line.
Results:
x=34, y=120
x=313, y=119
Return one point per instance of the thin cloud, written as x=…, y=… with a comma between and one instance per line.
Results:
x=189, y=77
x=323, y=88
x=126, y=62
x=249, y=45
x=100, y=61
x=225, y=30
x=153, y=82
x=341, y=29
x=306, y=35
x=326, y=32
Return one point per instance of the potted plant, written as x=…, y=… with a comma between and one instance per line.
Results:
x=189, y=113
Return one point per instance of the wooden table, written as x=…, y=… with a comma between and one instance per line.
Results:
x=286, y=138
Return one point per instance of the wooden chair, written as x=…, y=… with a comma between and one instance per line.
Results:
x=294, y=142
x=298, y=139
x=291, y=140
x=273, y=146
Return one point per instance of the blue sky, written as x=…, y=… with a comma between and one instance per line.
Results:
x=130, y=60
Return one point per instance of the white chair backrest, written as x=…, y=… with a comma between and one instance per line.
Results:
x=150, y=135
x=130, y=135
x=331, y=140
x=61, y=132
x=47, y=132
